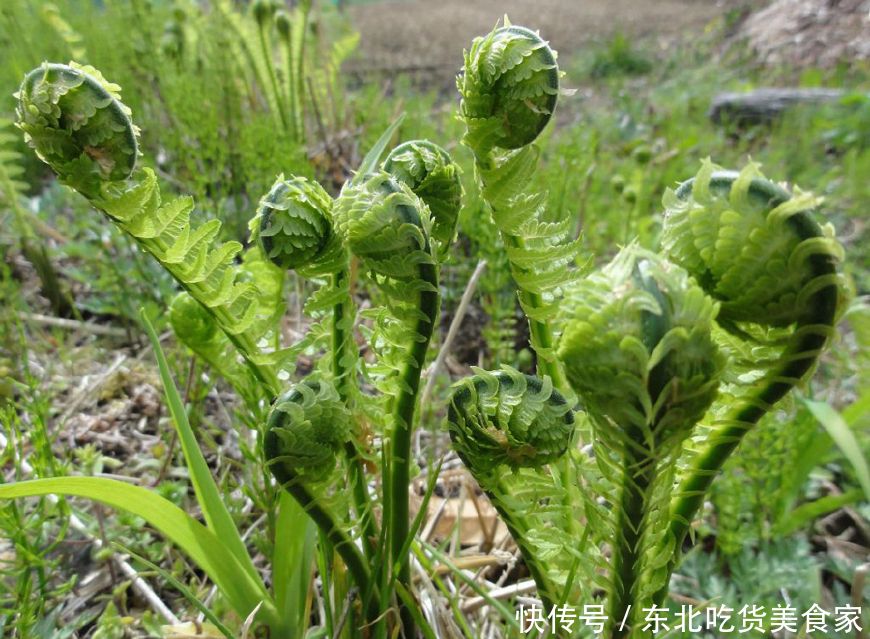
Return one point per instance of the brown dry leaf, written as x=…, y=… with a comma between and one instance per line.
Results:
x=478, y=520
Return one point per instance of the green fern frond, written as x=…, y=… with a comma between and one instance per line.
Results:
x=760, y=251
x=431, y=174
x=74, y=120
x=509, y=88
x=504, y=420
x=638, y=349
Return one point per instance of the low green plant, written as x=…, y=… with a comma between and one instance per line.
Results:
x=663, y=361
x=673, y=356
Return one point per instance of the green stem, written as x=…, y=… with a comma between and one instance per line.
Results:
x=341, y=542
x=808, y=339
x=298, y=73
x=270, y=69
x=291, y=89
x=541, y=333
x=639, y=474
x=403, y=421
x=344, y=379
x=547, y=591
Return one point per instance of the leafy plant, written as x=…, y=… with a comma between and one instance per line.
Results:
x=663, y=361
x=744, y=297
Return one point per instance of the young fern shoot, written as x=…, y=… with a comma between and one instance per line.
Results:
x=760, y=251
x=638, y=349
x=294, y=227
x=507, y=420
x=388, y=228
x=75, y=121
x=509, y=87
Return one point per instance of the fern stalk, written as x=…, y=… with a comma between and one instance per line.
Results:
x=638, y=477
x=270, y=72
x=509, y=89
x=808, y=296
x=403, y=419
x=343, y=351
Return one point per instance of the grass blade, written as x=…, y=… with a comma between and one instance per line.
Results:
x=370, y=161
x=843, y=436
x=217, y=516
x=292, y=558
x=199, y=543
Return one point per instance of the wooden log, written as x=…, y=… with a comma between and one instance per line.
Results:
x=764, y=105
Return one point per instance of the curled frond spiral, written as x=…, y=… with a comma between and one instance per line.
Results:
x=638, y=348
x=431, y=174
x=760, y=251
x=293, y=224
x=637, y=344
x=509, y=88
x=77, y=124
x=752, y=245
x=386, y=226
x=305, y=432
x=191, y=322
x=508, y=418
x=74, y=119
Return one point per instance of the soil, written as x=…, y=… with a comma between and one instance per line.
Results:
x=426, y=35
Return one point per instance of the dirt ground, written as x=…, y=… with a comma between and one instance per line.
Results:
x=427, y=34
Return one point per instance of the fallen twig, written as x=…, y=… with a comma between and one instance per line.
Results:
x=73, y=325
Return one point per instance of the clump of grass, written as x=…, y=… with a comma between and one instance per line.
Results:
x=619, y=57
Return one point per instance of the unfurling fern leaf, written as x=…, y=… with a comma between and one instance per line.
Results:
x=75, y=121
x=294, y=227
x=388, y=228
x=638, y=349
x=506, y=420
x=431, y=174
x=760, y=252
x=293, y=224
x=305, y=434
x=509, y=88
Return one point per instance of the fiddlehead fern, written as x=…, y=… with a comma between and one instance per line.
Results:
x=509, y=88
x=431, y=174
x=76, y=123
x=305, y=432
x=388, y=228
x=758, y=250
x=506, y=419
x=293, y=224
x=638, y=349
x=294, y=228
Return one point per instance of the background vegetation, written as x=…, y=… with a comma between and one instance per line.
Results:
x=79, y=391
